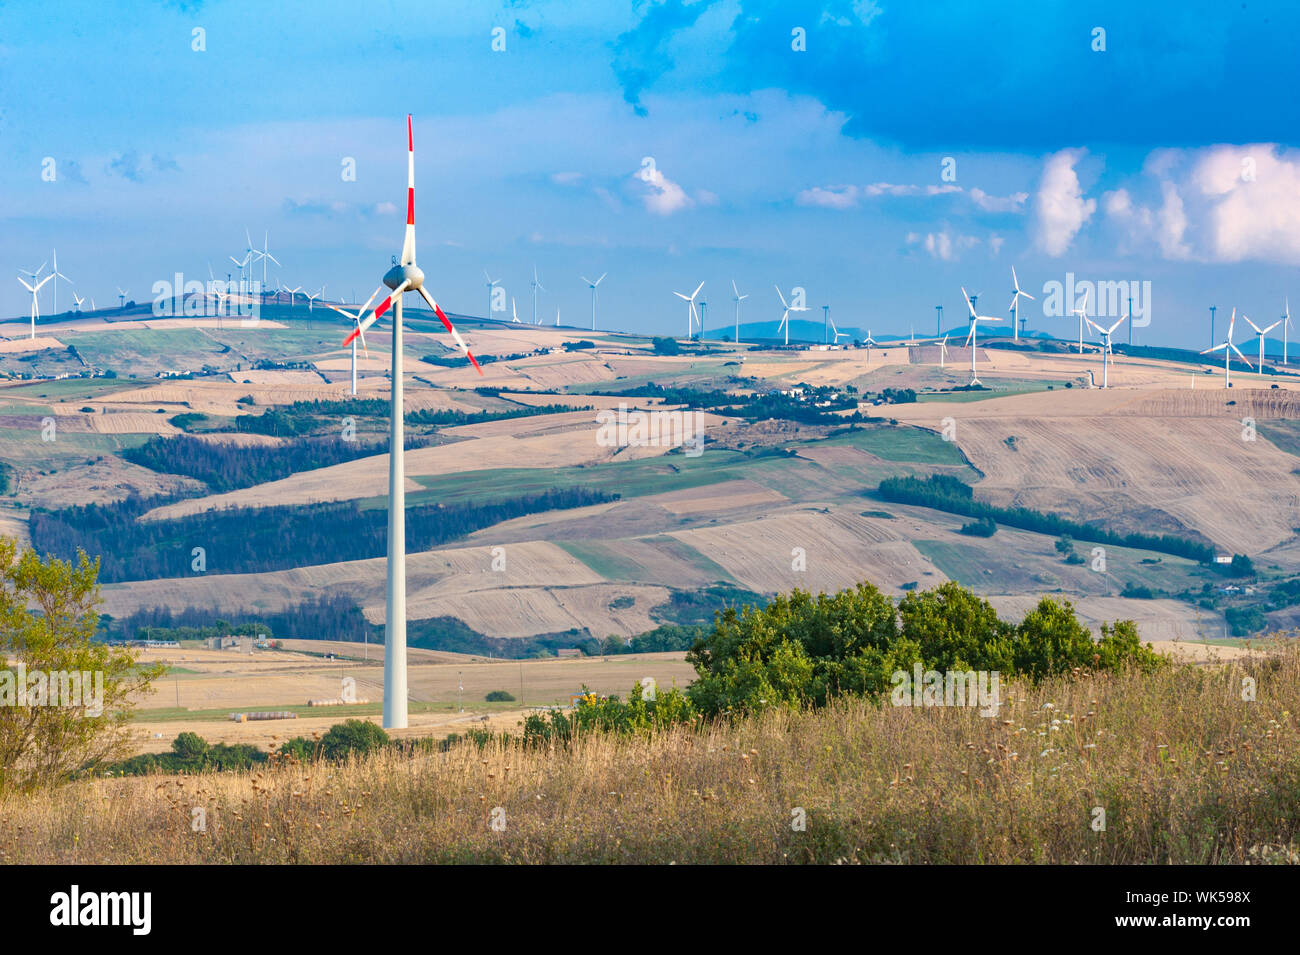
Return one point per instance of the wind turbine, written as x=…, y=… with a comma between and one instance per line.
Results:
x=243, y=265
x=537, y=286
x=312, y=296
x=356, y=323
x=1017, y=294
x=36, y=311
x=836, y=334
x=514, y=313
x=1286, y=323
x=690, y=310
x=1228, y=348
x=1105, y=334
x=54, y=289
x=972, y=337
x=1261, y=332
x=266, y=254
x=78, y=302
x=737, y=298
x=785, y=316
x=491, y=285
x=869, y=341
x=405, y=277
x=943, y=350
x=591, y=285
x=250, y=254
x=1083, y=316
x=292, y=292
x=122, y=293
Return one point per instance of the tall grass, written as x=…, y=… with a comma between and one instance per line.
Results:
x=1185, y=770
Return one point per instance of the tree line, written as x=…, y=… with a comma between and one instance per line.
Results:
x=241, y=540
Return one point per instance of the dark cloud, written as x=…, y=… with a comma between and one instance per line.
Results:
x=640, y=54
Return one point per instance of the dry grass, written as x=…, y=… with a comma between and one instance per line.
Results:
x=1186, y=772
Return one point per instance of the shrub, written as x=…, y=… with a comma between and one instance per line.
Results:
x=500, y=696
x=352, y=737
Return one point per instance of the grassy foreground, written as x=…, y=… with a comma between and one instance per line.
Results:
x=1186, y=771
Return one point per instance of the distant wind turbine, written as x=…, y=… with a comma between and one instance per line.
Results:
x=537, y=287
x=34, y=289
x=592, y=285
x=691, y=314
x=785, y=316
x=1105, y=334
x=1261, y=332
x=1083, y=316
x=491, y=287
x=737, y=298
x=1017, y=293
x=972, y=337
x=1228, y=348
x=356, y=323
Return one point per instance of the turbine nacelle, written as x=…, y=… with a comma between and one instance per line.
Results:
x=409, y=274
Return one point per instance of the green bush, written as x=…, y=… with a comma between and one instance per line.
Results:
x=352, y=737
x=500, y=696
x=802, y=650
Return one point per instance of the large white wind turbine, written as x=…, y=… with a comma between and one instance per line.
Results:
x=1261, y=332
x=592, y=285
x=1106, y=352
x=356, y=324
x=691, y=313
x=972, y=336
x=1017, y=293
x=785, y=316
x=1228, y=348
x=403, y=277
x=34, y=289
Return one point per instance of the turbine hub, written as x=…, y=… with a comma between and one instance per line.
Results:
x=410, y=274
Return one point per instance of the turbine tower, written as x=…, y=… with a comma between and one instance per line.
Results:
x=737, y=298
x=691, y=314
x=591, y=285
x=264, y=255
x=972, y=337
x=1228, y=348
x=1017, y=293
x=938, y=319
x=403, y=277
x=1105, y=334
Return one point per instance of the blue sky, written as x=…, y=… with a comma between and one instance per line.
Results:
x=1168, y=156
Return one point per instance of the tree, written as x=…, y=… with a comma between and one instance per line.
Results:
x=47, y=625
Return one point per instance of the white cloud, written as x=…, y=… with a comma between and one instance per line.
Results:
x=663, y=196
x=1062, y=210
x=1217, y=204
x=848, y=196
x=945, y=245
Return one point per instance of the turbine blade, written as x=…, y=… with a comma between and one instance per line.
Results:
x=446, y=324
x=408, y=241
